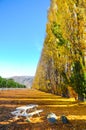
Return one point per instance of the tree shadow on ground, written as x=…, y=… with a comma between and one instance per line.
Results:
x=37, y=123
x=39, y=101
x=23, y=125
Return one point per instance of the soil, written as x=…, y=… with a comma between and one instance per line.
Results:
x=10, y=99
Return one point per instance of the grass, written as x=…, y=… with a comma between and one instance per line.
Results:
x=10, y=99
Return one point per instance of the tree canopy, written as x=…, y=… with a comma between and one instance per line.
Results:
x=63, y=59
x=10, y=83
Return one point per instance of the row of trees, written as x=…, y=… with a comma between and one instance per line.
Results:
x=63, y=59
x=10, y=83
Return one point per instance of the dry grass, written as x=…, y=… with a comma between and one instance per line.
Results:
x=10, y=99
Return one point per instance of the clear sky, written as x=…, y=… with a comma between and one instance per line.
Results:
x=22, y=33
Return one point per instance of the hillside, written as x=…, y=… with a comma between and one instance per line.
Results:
x=25, y=80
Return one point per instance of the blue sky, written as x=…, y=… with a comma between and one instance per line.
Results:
x=22, y=33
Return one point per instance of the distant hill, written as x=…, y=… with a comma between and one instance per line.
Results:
x=26, y=80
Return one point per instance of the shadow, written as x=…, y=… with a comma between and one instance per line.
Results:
x=35, y=97
x=22, y=124
x=38, y=101
x=27, y=94
x=41, y=123
x=75, y=114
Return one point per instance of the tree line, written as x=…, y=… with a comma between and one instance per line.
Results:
x=62, y=66
x=10, y=83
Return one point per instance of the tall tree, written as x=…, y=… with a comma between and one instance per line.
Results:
x=64, y=50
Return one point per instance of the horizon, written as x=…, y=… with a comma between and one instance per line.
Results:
x=17, y=76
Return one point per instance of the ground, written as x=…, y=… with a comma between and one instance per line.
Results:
x=73, y=110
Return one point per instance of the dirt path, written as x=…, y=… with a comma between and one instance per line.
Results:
x=10, y=99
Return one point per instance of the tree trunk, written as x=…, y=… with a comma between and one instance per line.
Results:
x=81, y=98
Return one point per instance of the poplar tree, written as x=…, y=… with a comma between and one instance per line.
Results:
x=63, y=57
